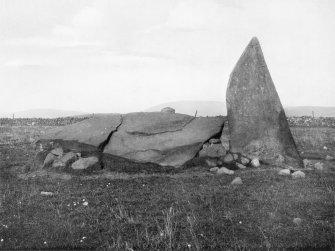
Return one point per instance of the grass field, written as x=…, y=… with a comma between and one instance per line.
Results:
x=192, y=209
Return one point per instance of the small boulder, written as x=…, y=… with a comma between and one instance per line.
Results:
x=325, y=148
x=210, y=163
x=214, y=150
x=225, y=140
x=329, y=158
x=214, y=141
x=168, y=110
x=65, y=161
x=298, y=175
x=237, y=181
x=240, y=166
x=244, y=161
x=228, y=158
x=280, y=160
x=49, y=159
x=47, y=193
x=235, y=156
x=307, y=163
x=214, y=169
x=84, y=163
x=224, y=170
x=255, y=162
x=297, y=221
x=57, y=151
x=318, y=166
x=285, y=172
x=204, y=146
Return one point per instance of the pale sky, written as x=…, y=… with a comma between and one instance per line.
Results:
x=128, y=55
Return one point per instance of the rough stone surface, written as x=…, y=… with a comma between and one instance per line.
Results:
x=329, y=158
x=84, y=163
x=237, y=181
x=161, y=138
x=214, y=141
x=285, y=172
x=49, y=159
x=307, y=163
x=256, y=118
x=214, y=169
x=240, y=166
x=297, y=221
x=318, y=166
x=65, y=161
x=225, y=139
x=228, y=158
x=214, y=150
x=224, y=170
x=211, y=163
x=298, y=175
x=280, y=160
x=86, y=135
x=244, y=161
x=57, y=151
x=255, y=162
x=168, y=110
x=167, y=139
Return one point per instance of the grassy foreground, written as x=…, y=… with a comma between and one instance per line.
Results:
x=168, y=212
x=190, y=210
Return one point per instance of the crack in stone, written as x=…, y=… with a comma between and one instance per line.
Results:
x=167, y=131
x=102, y=146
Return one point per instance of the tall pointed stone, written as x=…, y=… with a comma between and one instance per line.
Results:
x=256, y=119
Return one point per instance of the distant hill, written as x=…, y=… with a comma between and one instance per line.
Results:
x=319, y=111
x=42, y=113
x=215, y=108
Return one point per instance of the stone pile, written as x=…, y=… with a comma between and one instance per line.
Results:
x=58, y=160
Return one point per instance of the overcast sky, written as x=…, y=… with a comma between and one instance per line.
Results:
x=122, y=56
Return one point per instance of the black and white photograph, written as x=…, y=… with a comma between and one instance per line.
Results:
x=167, y=125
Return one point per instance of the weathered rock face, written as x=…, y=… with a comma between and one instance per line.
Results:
x=162, y=138
x=256, y=118
x=213, y=150
x=87, y=135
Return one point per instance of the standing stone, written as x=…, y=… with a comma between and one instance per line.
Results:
x=256, y=118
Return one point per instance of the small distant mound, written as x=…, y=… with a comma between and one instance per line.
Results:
x=168, y=110
x=201, y=108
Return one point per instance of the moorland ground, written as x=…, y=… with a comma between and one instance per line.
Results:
x=187, y=209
